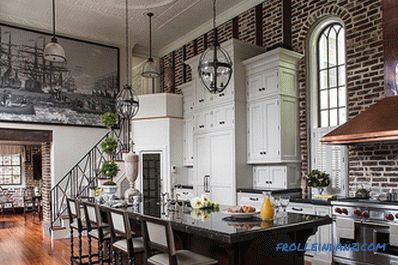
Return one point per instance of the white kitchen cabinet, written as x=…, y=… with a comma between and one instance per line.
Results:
x=276, y=176
x=188, y=140
x=322, y=236
x=215, y=166
x=272, y=108
x=219, y=158
x=264, y=131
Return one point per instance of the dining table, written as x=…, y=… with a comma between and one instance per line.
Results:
x=231, y=241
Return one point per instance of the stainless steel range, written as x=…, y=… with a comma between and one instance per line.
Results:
x=366, y=221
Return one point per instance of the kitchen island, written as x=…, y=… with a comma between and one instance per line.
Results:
x=235, y=242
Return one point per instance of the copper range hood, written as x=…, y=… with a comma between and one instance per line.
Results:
x=376, y=124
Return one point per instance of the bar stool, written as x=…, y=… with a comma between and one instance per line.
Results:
x=75, y=223
x=158, y=235
x=98, y=230
x=122, y=238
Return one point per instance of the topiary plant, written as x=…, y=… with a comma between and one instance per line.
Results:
x=109, y=119
x=109, y=169
x=109, y=145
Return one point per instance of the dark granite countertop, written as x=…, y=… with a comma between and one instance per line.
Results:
x=311, y=201
x=252, y=190
x=218, y=227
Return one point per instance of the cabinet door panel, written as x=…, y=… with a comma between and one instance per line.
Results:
x=188, y=141
x=222, y=184
x=255, y=85
x=278, y=177
x=203, y=121
x=256, y=132
x=223, y=117
x=202, y=152
x=271, y=129
x=200, y=93
x=261, y=177
x=270, y=82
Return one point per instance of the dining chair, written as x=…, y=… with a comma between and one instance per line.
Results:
x=98, y=230
x=160, y=247
x=75, y=223
x=6, y=202
x=123, y=240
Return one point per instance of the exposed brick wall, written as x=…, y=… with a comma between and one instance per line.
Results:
x=46, y=179
x=272, y=23
x=247, y=26
x=363, y=23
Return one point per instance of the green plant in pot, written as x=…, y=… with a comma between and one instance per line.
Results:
x=317, y=179
x=109, y=119
x=109, y=169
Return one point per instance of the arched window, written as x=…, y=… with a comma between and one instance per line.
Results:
x=328, y=93
x=331, y=76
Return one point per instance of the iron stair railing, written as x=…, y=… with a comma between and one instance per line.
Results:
x=77, y=182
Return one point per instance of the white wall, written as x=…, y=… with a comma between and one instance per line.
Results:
x=70, y=144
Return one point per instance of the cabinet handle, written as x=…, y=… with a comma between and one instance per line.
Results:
x=185, y=193
x=297, y=209
x=253, y=199
x=191, y=157
x=201, y=100
x=221, y=94
x=221, y=122
x=263, y=89
x=260, y=89
x=201, y=126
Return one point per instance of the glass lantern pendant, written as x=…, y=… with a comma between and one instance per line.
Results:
x=215, y=65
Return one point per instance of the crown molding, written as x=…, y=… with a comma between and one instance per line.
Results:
x=207, y=26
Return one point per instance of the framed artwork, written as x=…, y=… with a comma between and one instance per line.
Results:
x=33, y=90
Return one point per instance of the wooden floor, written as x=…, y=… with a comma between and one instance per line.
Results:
x=22, y=242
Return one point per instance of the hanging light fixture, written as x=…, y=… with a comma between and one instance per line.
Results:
x=127, y=103
x=53, y=51
x=215, y=65
x=150, y=69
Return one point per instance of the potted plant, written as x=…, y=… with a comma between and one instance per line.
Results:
x=109, y=146
x=109, y=119
x=317, y=180
x=109, y=169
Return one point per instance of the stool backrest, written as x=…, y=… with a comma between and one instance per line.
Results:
x=73, y=211
x=92, y=214
x=121, y=227
x=158, y=235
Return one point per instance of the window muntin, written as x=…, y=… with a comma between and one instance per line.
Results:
x=10, y=169
x=331, y=76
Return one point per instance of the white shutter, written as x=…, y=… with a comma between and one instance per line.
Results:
x=331, y=159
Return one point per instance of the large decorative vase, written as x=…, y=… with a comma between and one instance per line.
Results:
x=316, y=191
x=132, y=195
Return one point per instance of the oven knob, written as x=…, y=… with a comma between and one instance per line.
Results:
x=396, y=215
x=338, y=210
x=357, y=212
x=389, y=217
x=365, y=214
x=344, y=211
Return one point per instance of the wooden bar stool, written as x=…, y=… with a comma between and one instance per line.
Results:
x=123, y=240
x=98, y=230
x=75, y=223
x=158, y=237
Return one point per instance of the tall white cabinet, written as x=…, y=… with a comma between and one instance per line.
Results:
x=272, y=119
x=218, y=122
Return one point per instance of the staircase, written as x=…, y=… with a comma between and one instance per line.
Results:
x=77, y=182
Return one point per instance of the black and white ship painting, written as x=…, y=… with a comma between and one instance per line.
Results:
x=36, y=91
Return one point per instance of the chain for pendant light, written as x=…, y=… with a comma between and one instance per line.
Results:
x=127, y=45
